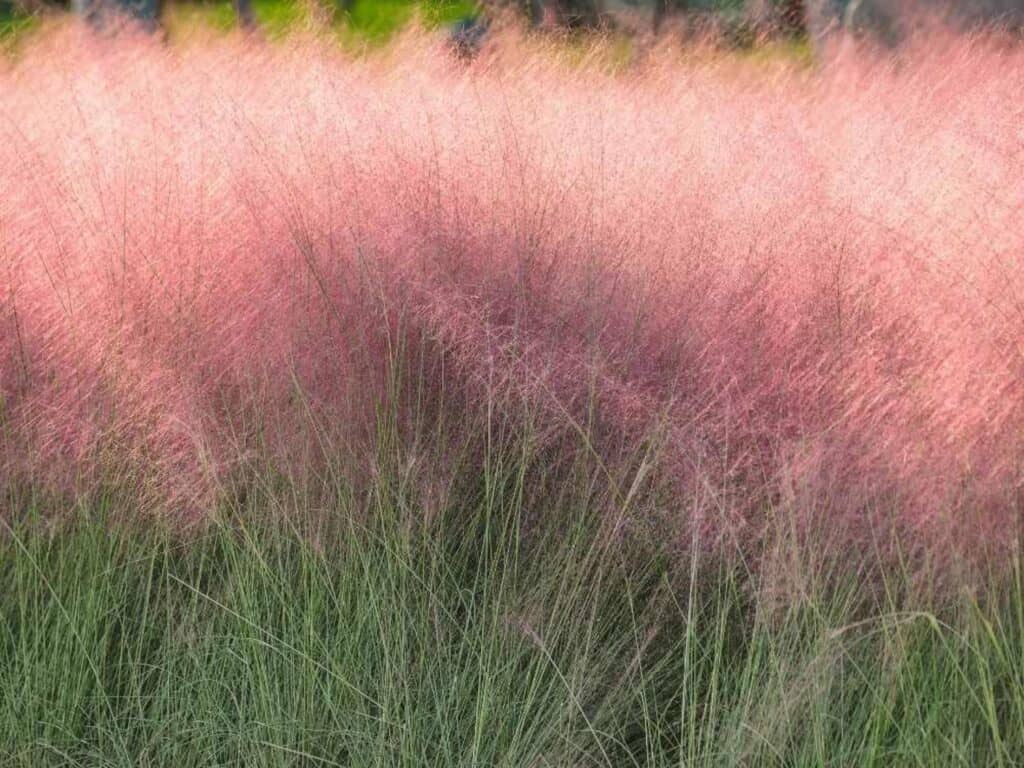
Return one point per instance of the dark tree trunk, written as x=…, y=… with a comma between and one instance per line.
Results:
x=577, y=14
x=100, y=13
x=244, y=14
x=792, y=16
x=663, y=7
x=534, y=12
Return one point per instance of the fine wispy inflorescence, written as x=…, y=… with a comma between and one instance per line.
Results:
x=796, y=288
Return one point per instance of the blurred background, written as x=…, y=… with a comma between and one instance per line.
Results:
x=467, y=22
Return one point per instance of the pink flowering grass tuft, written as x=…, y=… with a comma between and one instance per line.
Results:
x=808, y=283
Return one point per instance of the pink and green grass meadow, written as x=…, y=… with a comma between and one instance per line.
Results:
x=557, y=408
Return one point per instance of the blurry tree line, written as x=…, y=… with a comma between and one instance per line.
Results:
x=797, y=17
x=788, y=14
x=790, y=17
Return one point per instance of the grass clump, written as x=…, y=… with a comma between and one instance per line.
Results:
x=504, y=628
x=255, y=647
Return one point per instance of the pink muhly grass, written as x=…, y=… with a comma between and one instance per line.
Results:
x=809, y=282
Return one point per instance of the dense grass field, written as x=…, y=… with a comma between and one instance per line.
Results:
x=496, y=632
x=570, y=406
